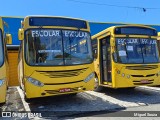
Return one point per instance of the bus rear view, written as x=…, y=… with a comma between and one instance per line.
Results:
x=55, y=56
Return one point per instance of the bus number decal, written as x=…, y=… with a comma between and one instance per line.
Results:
x=52, y=51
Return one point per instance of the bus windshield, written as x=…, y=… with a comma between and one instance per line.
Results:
x=57, y=47
x=1, y=49
x=136, y=50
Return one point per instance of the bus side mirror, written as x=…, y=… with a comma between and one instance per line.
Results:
x=95, y=54
x=21, y=34
x=8, y=38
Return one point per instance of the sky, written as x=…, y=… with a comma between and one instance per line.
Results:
x=119, y=11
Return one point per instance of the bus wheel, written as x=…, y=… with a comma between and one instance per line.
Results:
x=97, y=88
x=20, y=87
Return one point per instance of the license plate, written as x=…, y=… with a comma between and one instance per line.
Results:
x=145, y=81
x=65, y=90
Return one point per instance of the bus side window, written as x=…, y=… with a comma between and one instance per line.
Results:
x=94, y=48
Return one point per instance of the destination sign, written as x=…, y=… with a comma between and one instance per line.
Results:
x=135, y=31
x=57, y=21
x=135, y=41
x=52, y=33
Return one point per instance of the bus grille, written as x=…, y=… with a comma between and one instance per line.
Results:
x=150, y=75
x=63, y=73
x=135, y=82
x=63, y=83
x=142, y=67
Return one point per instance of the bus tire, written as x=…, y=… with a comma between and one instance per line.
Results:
x=97, y=88
x=20, y=87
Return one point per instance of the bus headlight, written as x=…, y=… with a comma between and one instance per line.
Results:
x=1, y=82
x=123, y=74
x=89, y=77
x=118, y=72
x=35, y=82
x=128, y=76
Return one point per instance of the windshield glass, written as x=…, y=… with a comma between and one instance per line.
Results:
x=57, y=47
x=137, y=50
x=1, y=49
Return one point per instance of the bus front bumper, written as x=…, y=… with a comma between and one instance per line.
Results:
x=33, y=91
x=135, y=82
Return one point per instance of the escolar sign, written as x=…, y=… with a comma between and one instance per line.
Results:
x=52, y=33
x=45, y=33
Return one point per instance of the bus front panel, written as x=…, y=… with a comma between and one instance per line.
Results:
x=57, y=61
x=136, y=62
x=47, y=81
x=136, y=75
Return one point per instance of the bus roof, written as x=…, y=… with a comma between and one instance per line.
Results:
x=53, y=17
x=35, y=21
x=123, y=23
x=110, y=29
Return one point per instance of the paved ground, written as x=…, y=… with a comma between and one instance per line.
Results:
x=84, y=104
x=14, y=102
x=148, y=112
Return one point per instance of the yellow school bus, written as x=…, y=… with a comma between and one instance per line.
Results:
x=55, y=56
x=4, y=71
x=126, y=56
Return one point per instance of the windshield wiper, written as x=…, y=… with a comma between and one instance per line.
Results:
x=141, y=49
x=70, y=47
x=126, y=51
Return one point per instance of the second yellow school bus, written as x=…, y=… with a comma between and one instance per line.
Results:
x=126, y=56
x=55, y=56
x=4, y=70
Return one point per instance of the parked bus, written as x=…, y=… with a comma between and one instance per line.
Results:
x=125, y=57
x=55, y=56
x=4, y=71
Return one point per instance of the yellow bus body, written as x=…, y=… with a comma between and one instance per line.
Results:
x=54, y=78
x=4, y=71
x=158, y=35
x=3, y=88
x=125, y=75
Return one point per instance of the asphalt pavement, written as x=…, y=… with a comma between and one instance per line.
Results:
x=110, y=104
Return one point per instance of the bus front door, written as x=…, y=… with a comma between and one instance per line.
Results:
x=105, y=60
